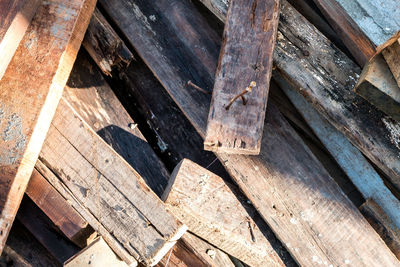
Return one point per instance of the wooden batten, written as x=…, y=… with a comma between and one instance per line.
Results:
x=212, y=211
x=29, y=92
x=15, y=17
x=235, y=124
x=392, y=57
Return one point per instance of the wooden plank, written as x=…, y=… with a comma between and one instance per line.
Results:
x=245, y=62
x=101, y=35
x=15, y=17
x=30, y=91
x=357, y=168
x=302, y=204
x=116, y=194
x=378, y=86
x=59, y=211
x=97, y=253
x=392, y=57
x=382, y=224
x=212, y=211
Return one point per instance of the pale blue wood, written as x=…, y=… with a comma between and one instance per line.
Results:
x=350, y=159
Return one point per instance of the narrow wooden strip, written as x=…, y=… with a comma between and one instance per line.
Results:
x=30, y=91
x=212, y=211
x=357, y=168
x=378, y=86
x=244, y=68
x=15, y=17
x=62, y=214
x=382, y=224
x=392, y=57
x=134, y=214
x=302, y=204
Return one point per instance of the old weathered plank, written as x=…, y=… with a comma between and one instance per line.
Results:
x=30, y=91
x=302, y=204
x=210, y=208
x=101, y=35
x=15, y=17
x=116, y=194
x=382, y=224
x=62, y=214
x=357, y=168
x=97, y=253
x=392, y=57
x=378, y=86
x=245, y=61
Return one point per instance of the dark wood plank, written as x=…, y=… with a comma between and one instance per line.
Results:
x=15, y=17
x=30, y=91
x=245, y=62
x=302, y=204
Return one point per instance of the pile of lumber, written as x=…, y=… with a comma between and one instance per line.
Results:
x=199, y=133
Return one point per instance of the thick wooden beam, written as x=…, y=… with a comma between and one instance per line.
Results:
x=302, y=204
x=15, y=17
x=378, y=86
x=213, y=211
x=392, y=57
x=30, y=91
x=245, y=62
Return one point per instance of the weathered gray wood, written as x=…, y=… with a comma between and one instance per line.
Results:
x=212, y=211
x=115, y=194
x=245, y=59
x=302, y=204
x=30, y=91
x=392, y=57
x=383, y=225
x=104, y=45
x=378, y=86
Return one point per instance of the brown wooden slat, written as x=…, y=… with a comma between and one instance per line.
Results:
x=392, y=57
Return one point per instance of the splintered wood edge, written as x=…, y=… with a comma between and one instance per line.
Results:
x=211, y=146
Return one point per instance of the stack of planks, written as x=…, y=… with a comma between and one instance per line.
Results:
x=201, y=133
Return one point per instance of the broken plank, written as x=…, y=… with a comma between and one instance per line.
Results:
x=210, y=208
x=302, y=204
x=385, y=227
x=236, y=125
x=392, y=57
x=101, y=35
x=357, y=168
x=134, y=214
x=15, y=17
x=59, y=211
x=30, y=91
x=378, y=86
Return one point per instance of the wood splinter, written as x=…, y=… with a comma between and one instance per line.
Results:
x=241, y=95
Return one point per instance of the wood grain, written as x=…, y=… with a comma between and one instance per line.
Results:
x=30, y=91
x=392, y=57
x=15, y=17
x=245, y=57
x=212, y=211
x=116, y=194
x=302, y=204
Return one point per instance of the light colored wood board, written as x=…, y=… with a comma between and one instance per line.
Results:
x=385, y=227
x=378, y=86
x=59, y=211
x=104, y=45
x=210, y=208
x=392, y=57
x=98, y=254
x=93, y=99
x=55, y=181
x=357, y=168
x=245, y=58
x=302, y=204
x=15, y=17
x=133, y=213
x=30, y=91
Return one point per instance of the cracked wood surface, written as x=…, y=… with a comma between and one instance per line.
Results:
x=15, y=17
x=245, y=57
x=286, y=184
x=392, y=57
x=30, y=91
